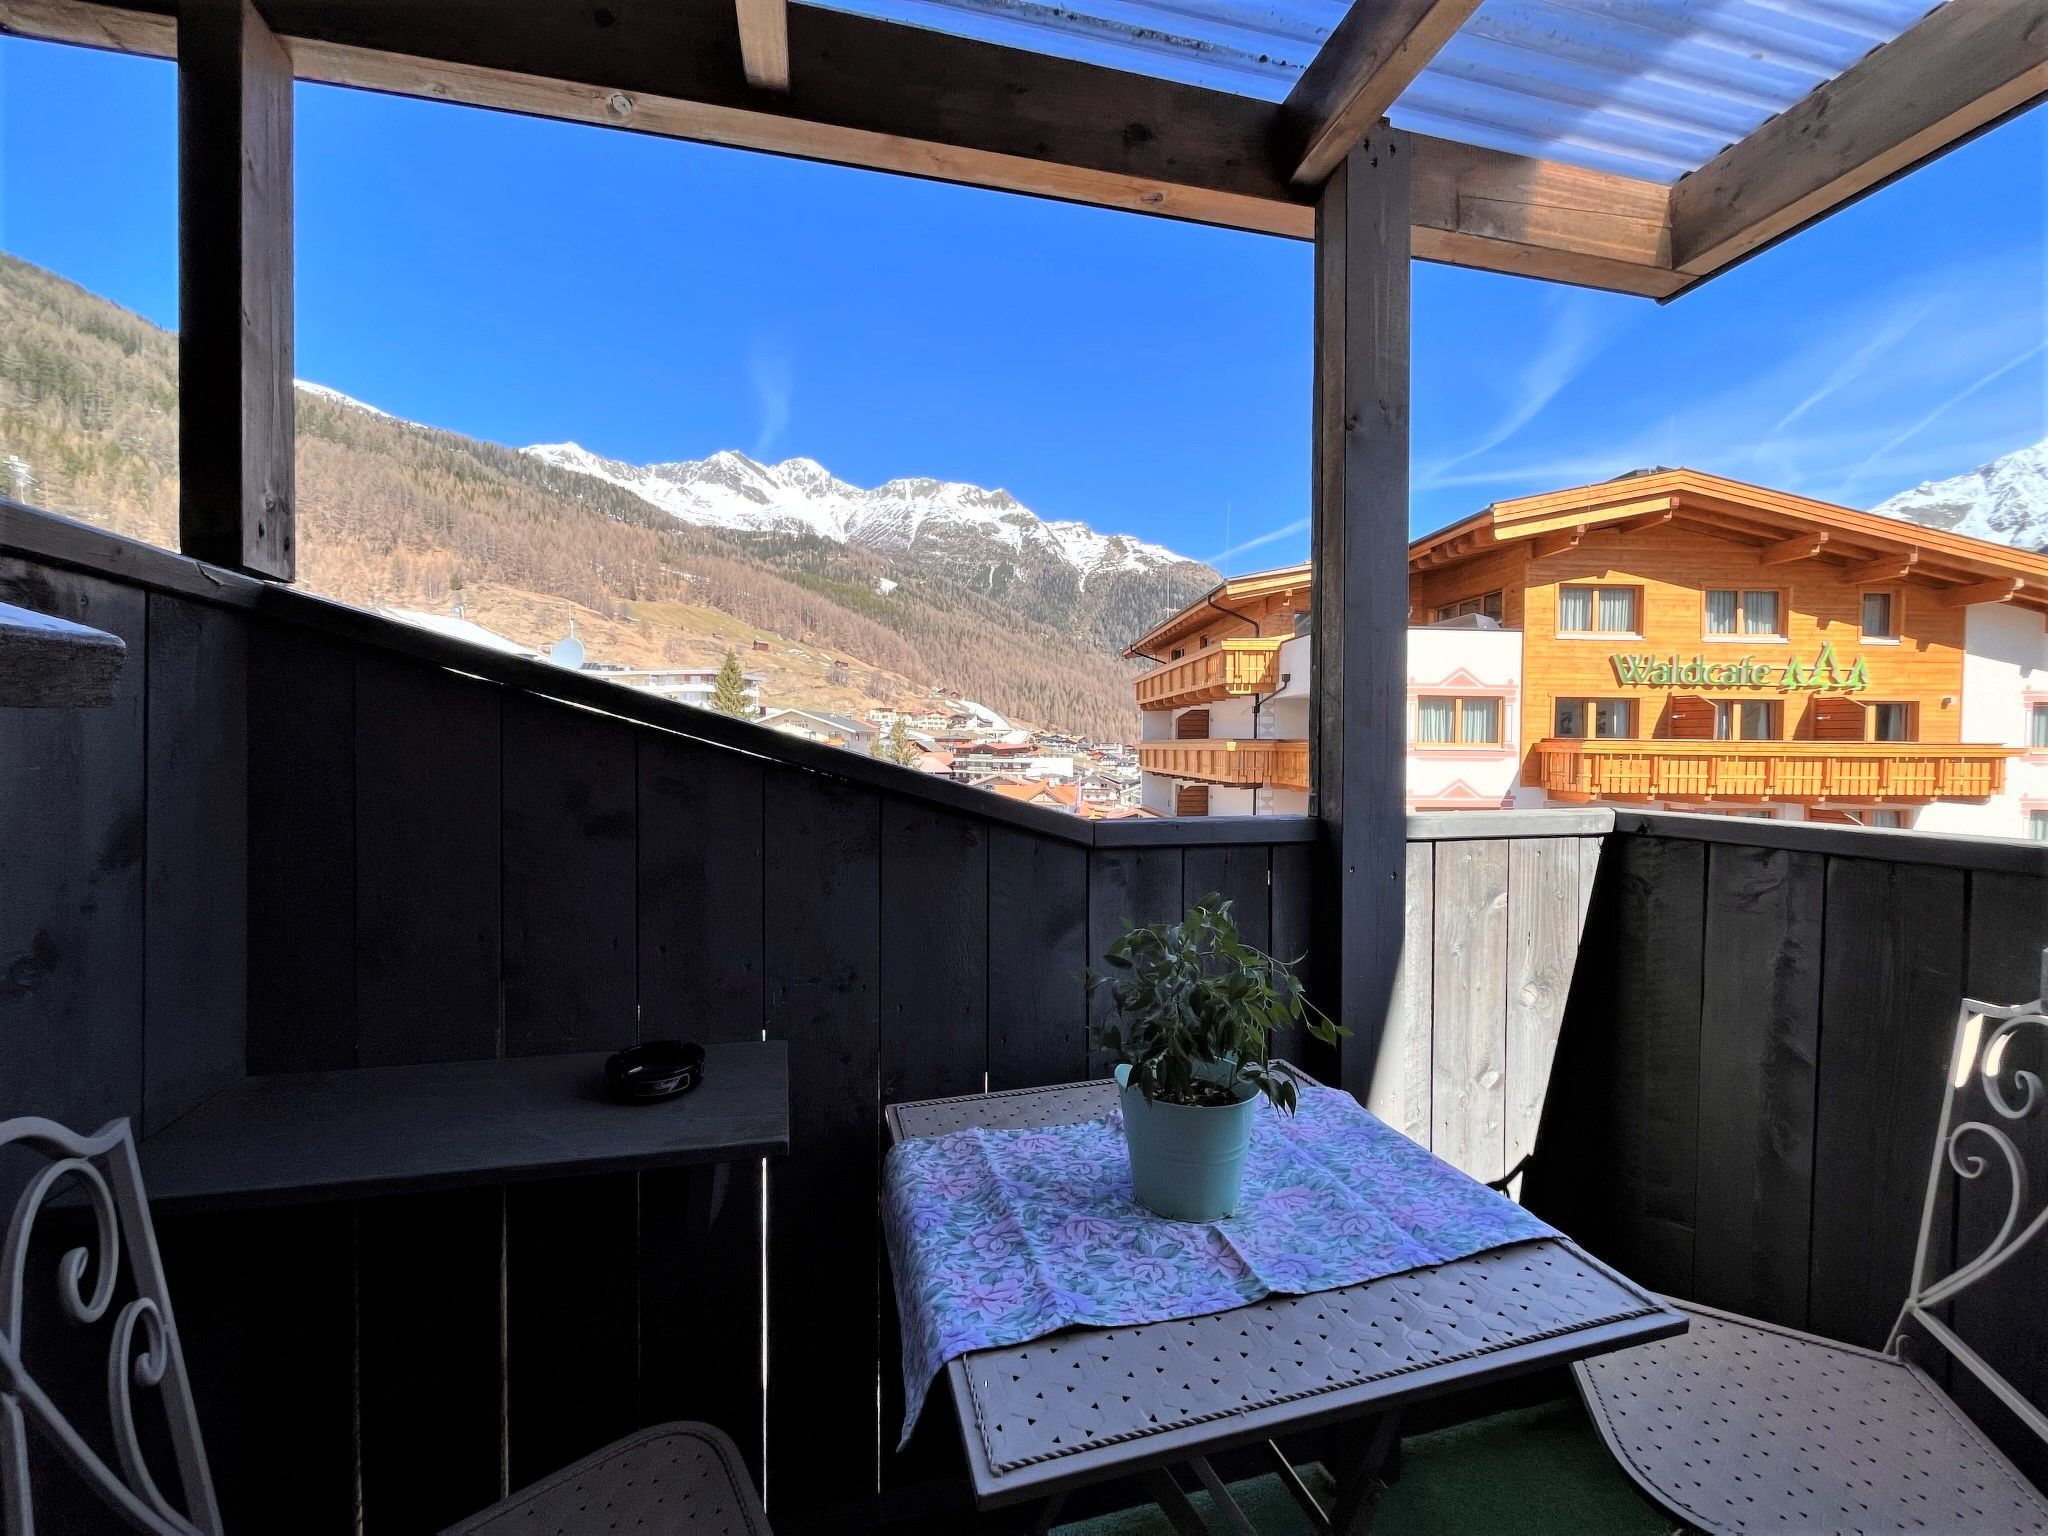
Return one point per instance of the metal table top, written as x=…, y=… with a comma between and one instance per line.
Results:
x=1089, y=1403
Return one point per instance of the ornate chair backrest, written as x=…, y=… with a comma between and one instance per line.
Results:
x=1986, y=1091
x=96, y=1177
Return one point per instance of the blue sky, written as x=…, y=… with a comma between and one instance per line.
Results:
x=527, y=282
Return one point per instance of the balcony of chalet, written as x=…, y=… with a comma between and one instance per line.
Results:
x=1283, y=764
x=343, y=916
x=1850, y=773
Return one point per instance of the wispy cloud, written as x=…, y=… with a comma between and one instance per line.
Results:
x=1270, y=536
x=1581, y=327
x=1857, y=364
x=774, y=394
x=1974, y=387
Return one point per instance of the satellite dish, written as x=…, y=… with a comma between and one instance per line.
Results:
x=567, y=653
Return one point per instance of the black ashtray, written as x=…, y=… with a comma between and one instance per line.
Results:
x=660, y=1069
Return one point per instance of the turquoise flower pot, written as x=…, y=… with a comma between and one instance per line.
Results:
x=1187, y=1160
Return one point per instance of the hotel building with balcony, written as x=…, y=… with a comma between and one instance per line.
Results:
x=1668, y=639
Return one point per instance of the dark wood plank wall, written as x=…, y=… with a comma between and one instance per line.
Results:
x=1749, y=1075
x=437, y=865
x=440, y=866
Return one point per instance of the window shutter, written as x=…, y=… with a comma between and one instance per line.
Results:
x=1192, y=726
x=1191, y=800
x=1836, y=719
x=1688, y=717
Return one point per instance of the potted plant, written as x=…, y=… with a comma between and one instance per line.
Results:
x=1194, y=1011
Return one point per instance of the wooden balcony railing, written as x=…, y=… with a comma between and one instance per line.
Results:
x=1282, y=764
x=1234, y=668
x=1575, y=769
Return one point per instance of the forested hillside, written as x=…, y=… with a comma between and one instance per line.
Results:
x=399, y=514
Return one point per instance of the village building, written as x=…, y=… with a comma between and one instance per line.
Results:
x=815, y=725
x=1670, y=639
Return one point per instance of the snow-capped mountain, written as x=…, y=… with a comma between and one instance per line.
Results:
x=730, y=490
x=2005, y=501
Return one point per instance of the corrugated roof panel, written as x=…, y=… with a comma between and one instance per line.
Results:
x=1646, y=88
x=1247, y=47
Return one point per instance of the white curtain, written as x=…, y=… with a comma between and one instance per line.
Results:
x=1618, y=609
x=1433, y=721
x=1760, y=613
x=1575, y=609
x=2039, y=738
x=1482, y=720
x=1720, y=613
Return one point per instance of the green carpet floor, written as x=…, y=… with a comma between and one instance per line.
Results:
x=1535, y=1472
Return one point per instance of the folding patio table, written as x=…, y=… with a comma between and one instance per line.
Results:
x=1043, y=1418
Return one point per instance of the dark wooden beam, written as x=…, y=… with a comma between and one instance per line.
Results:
x=764, y=43
x=1376, y=50
x=1360, y=600
x=1965, y=66
x=235, y=416
x=894, y=98
x=1476, y=207
x=47, y=662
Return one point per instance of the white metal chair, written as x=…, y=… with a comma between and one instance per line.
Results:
x=1739, y=1425
x=678, y=1479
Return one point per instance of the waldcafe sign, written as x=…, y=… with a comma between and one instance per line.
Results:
x=1794, y=675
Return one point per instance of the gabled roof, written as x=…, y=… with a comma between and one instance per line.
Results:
x=837, y=722
x=1232, y=589
x=1780, y=527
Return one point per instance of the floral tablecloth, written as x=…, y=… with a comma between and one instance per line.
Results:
x=996, y=1237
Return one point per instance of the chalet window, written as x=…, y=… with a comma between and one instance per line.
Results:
x=1893, y=819
x=1457, y=722
x=2037, y=826
x=1880, y=616
x=1479, y=721
x=2037, y=726
x=1597, y=610
x=1891, y=722
x=1745, y=720
x=1611, y=719
x=1489, y=605
x=1745, y=611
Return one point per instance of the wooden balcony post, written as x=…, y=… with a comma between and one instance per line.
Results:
x=234, y=289
x=1361, y=586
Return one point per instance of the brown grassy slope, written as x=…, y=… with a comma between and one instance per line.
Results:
x=394, y=513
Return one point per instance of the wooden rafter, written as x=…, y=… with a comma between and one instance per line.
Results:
x=2002, y=590
x=1639, y=524
x=1558, y=543
x=1964, y=66
x=1801, y=546
x=902, y=99
x=764, y=43
x=1376, y=50
x=888, y=96
x=1894, y=566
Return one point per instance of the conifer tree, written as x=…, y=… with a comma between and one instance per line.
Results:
x=896, y=744
x=729, y=689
